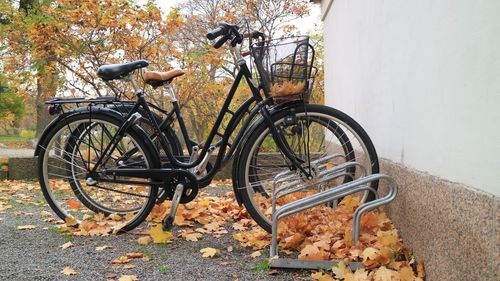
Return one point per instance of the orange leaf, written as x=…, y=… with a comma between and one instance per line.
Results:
x=26, y=227
x=74, y=204
x=312, y=252
x=121, y=260
x=420, y=269
x=135, y=255
x=68, y=271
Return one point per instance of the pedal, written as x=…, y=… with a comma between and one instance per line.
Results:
x=168, y=221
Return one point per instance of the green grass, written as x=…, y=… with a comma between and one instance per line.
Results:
x=13, y=139
x=262, y=266
x=54, y=230
x=163, y=269
x=146, y=252
x=13, y=203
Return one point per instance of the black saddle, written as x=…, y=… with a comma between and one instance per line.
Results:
x=116, y=71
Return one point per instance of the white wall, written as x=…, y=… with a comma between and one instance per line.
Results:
x=423, y=78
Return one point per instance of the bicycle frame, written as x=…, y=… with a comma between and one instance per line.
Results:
x=237, y=116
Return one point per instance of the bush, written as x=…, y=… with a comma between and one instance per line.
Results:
x=28, y=134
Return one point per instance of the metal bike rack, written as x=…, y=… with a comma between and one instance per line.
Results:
x=323, y=197
x=327, y=175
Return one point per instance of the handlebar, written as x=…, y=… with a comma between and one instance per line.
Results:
x=221, y=41
x=230, y=32
x=215, y=33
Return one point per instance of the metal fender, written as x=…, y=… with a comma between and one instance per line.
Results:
x=76, y=111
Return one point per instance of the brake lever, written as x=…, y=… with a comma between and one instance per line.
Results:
x=237, y=40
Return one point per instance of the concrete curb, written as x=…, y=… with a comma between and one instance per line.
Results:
x=25, y=168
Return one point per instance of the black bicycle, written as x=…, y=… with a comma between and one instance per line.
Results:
x=120, y=158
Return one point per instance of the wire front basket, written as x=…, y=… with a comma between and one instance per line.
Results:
x=285, y=67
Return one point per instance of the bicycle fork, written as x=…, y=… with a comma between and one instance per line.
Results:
x=280, y=140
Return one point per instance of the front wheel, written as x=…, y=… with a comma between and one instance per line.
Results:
x=322, y=137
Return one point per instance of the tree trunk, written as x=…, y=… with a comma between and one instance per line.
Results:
x=46, y=89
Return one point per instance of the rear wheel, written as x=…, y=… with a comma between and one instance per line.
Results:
x=323, y=137
x=67, y=159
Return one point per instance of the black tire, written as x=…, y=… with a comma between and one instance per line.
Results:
x=341, y=126
x=51, y=171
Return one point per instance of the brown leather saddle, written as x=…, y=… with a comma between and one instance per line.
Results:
x=157, y=78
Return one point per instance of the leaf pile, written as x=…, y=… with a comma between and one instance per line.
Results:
x=325, y=233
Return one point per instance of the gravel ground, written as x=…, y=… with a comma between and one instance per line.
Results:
x=37, y=254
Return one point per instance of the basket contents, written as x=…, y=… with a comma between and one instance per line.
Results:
x=287, y=88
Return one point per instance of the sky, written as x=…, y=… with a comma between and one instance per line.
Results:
x=305, y=25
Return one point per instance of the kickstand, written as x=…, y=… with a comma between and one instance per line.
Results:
x=168, y=221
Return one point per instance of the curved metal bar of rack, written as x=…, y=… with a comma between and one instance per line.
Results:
x=327, y=175
x=324, y=176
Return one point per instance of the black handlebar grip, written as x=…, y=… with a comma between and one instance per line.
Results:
x=221, y=41
x=215, y=33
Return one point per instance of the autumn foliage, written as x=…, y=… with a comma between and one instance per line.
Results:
x=55, y=47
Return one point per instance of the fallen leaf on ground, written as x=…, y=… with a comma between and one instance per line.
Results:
x=128, y=278
x=102, y=248
x=68, y=271
x=312, y=252
x=369, y=253
x=340, y=270
x=294, y=240
x=121, y=260
x=420, y=269
x=256, y=254
x=74, y=204
x=159, y=236
x=360, y=275
x=26, y=227
x=144, y=240
x=193, y=236
x=209, y=252
x=115, y=217
x=135, y=255
x=67, y=245
x=406, y=274
x=45, y=214
x=321, y=276
x=383, y=274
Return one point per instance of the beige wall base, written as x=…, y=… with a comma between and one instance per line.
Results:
x=454, y=229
